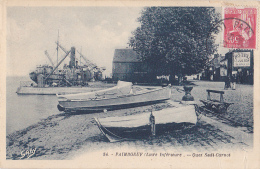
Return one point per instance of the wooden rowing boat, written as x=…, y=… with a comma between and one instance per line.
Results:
x=146, y=124
x=123, y=95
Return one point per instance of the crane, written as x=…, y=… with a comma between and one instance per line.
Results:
x=62, y=48
x=67, y=53
x=47, y=54
x=89, y=63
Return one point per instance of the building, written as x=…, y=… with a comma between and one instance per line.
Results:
x=127, y=66
x=239, y=64
x=212, y=72
x=216, y=66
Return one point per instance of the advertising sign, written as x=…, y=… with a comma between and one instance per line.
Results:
x=241, y=59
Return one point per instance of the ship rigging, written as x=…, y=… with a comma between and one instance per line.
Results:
x=75, y=73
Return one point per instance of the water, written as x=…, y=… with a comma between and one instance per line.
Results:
x=25, y=110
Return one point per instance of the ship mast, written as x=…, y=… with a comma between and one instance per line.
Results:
x=80, y=57
x=58, y=48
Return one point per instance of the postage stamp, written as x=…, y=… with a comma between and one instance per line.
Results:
x=240, y=28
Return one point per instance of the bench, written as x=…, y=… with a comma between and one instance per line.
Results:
x=216, y=105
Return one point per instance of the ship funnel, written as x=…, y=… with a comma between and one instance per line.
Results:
x=72, y=57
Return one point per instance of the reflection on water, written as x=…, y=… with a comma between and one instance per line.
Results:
x=25, y=110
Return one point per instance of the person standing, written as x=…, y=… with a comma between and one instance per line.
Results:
x=227, y=82
x=233, y=82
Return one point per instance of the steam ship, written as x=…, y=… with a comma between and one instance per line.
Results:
x=74, y=77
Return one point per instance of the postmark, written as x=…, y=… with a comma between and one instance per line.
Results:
x=240, y=28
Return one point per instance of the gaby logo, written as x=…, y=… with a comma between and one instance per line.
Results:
x=28, y=153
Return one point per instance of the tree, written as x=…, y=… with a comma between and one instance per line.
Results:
x=176, y=40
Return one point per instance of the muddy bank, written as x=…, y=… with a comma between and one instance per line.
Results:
x=59, y=134
x=65, y=136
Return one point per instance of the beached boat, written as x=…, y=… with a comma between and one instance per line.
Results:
x=123, y=95
x=143, y=125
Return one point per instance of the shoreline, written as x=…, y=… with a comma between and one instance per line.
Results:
x=62, y=133
x=66, y=136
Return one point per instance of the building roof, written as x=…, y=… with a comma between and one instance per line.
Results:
x=126, y=55
x=216, y=60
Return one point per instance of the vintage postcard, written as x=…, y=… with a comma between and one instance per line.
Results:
x=129, y=84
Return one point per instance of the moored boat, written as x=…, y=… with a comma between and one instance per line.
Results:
x=123, y=95
x=71, y=78
x=143, y=125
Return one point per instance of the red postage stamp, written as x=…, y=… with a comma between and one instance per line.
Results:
x=240, y=28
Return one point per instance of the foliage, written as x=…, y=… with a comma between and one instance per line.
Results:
x=176, y=40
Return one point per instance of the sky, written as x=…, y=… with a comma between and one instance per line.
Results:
x=95, y=31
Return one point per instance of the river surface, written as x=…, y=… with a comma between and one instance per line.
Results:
x=25, y=110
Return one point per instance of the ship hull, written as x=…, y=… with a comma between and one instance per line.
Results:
x=53, y=90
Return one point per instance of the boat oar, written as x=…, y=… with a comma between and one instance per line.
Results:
x=152, y=122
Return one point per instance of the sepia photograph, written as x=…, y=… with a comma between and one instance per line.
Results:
x=106, y=83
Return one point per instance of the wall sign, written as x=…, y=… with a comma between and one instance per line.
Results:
x=241, y=59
